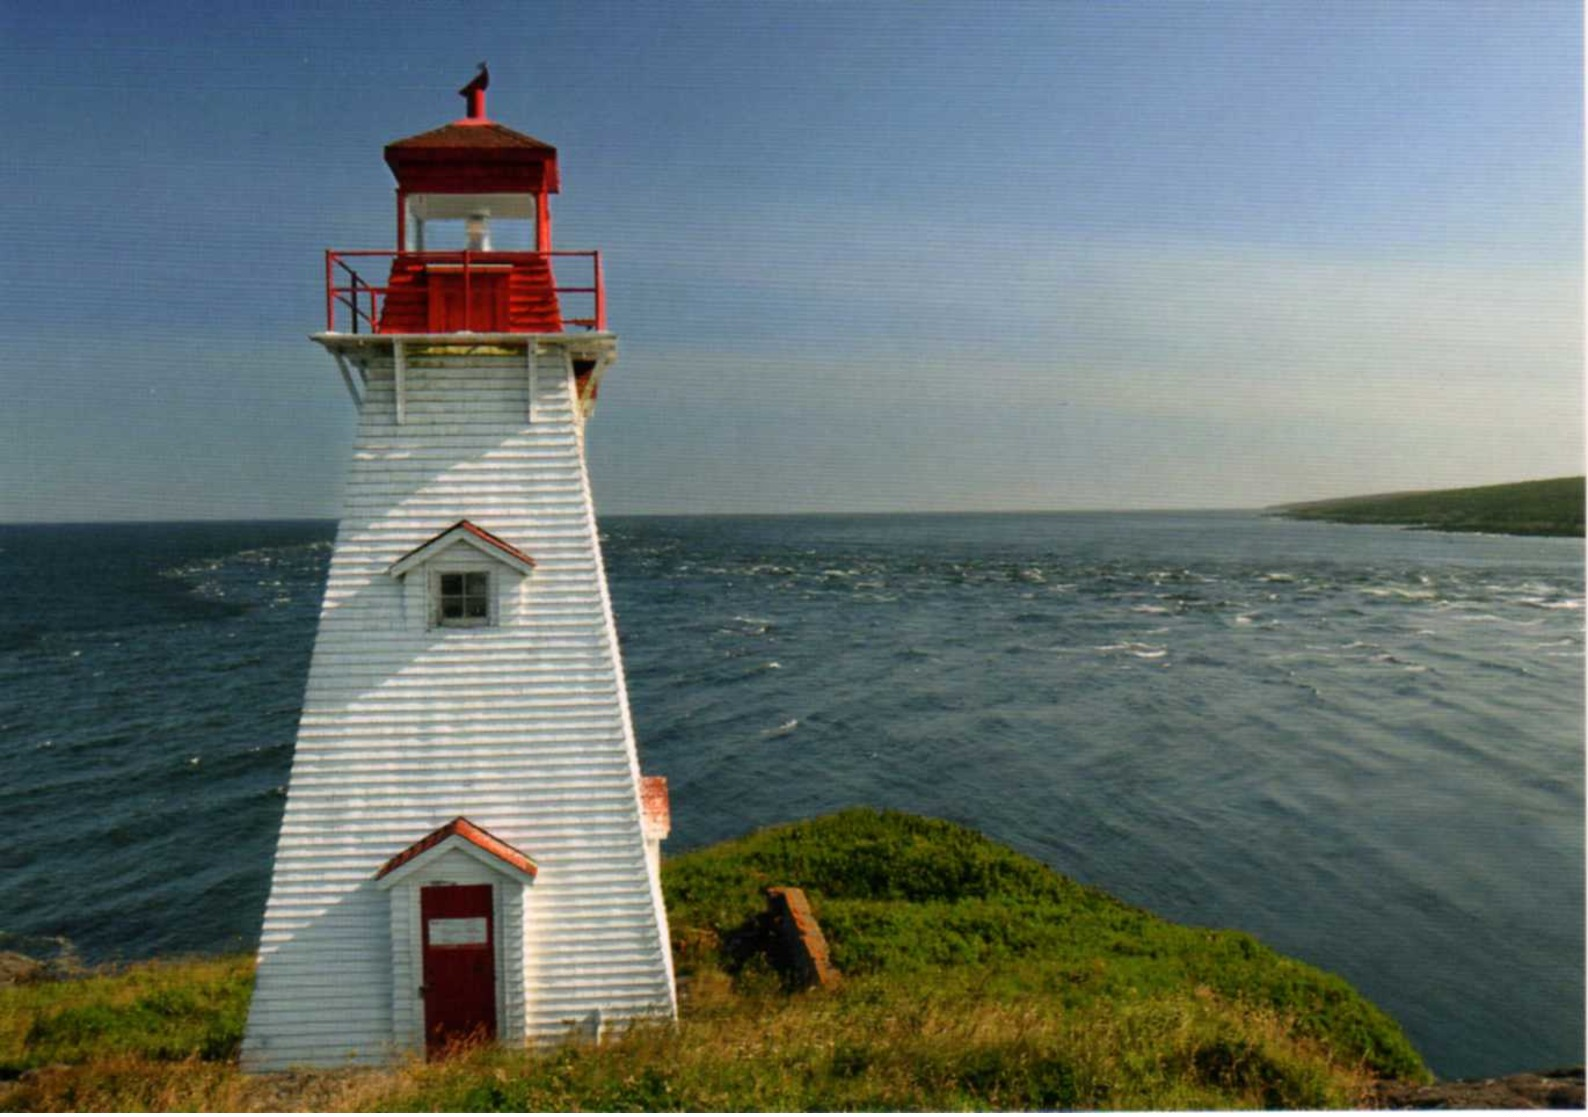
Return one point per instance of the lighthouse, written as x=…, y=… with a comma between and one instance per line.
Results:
x=469, y=851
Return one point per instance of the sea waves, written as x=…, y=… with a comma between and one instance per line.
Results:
x=1363, y=745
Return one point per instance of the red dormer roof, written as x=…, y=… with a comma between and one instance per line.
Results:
x=493, y=540
x=465, y=830
x=492, y=545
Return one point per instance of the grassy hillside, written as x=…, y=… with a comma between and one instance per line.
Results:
x=974, y=979
x=1526, y=508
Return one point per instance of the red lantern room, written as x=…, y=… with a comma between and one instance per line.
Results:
x=474, y=252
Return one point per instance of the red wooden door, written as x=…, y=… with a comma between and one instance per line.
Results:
x=459, y=963
x=483, y=311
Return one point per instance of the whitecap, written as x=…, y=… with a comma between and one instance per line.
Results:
x=1140, y=651
x=1540, y=603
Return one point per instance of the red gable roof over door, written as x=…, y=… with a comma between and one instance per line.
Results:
x=462, y=828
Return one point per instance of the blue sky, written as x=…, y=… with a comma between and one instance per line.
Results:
x=926, y=256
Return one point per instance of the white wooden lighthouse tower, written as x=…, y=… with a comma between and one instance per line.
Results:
x=468, y=849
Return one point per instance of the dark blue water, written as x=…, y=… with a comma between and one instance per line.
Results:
x=1364, y=745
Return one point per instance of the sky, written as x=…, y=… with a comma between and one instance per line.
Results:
x=865, y=257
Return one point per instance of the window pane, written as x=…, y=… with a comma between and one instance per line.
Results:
x=463, y=597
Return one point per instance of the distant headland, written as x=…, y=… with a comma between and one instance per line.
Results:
x=1553, y=507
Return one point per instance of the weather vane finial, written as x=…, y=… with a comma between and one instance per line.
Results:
x=475, y=93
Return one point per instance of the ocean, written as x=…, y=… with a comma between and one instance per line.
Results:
x=1364, y=745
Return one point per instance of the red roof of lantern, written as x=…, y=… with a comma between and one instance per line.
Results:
x=469, y=134
x=473, y=156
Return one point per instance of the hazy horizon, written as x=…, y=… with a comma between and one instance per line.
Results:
x=829, y=512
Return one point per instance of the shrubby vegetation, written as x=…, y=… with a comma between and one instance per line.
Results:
x=975, y=978
x=1552, y=507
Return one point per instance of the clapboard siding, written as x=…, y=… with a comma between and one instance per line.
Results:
x=522, y=727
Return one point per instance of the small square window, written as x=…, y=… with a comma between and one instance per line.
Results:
x=463, y=599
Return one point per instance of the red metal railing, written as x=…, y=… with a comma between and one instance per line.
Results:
x=360, y=304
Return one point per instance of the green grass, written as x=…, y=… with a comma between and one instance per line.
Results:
x=906, y=898
x=1527, y=508
x=165, y=1011
x=951, y=1047
x=975, y=978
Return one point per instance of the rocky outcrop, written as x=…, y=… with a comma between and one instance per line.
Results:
x=51, y=960
x=1553, y=1089
x=17, y=968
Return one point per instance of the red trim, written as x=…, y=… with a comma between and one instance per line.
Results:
x=462, y=828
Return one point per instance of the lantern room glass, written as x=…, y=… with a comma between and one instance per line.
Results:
x=476, y=222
